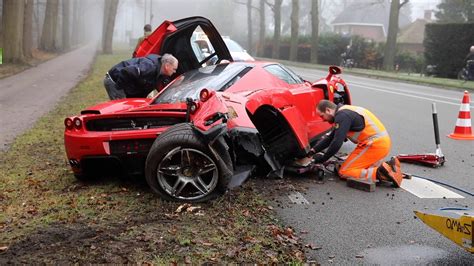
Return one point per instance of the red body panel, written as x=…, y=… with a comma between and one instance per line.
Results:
x=152, y=43
x=117, y=106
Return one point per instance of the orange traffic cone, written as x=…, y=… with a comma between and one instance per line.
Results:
x=463, y=124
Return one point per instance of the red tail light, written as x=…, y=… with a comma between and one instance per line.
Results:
x=77, y=123
x=204, y=95
x=68, y=123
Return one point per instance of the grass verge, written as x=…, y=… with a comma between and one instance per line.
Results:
x=46, y=216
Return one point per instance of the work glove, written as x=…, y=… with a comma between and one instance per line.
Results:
x=318, y=158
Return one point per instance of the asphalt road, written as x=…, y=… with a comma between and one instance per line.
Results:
x=27, y=96
x=348, y=226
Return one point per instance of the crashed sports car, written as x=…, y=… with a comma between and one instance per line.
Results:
x=207, y=130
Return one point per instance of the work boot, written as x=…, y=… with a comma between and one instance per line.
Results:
x=383, y=172
x=390, y=171
x=395, y=164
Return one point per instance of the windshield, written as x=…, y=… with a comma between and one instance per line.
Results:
x=233, y=46
x=188, y=85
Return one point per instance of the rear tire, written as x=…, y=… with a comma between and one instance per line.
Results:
x=180, y=167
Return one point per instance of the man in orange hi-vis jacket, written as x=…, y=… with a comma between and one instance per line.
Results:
x=366, y=163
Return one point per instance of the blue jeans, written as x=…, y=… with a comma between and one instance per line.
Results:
x=113, y=91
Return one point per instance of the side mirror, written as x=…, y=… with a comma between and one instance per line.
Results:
x=334, y=70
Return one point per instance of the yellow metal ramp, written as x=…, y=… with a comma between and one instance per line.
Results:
x=456, y=224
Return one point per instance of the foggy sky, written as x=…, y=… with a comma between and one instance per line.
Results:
x=228, y=16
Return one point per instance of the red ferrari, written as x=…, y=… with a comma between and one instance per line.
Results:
x=210, y=128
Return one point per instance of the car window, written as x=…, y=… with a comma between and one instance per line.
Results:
x=216, y=77
x=297, y=78
x=283, y=74
x=201, y=45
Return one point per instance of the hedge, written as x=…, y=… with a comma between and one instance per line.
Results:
x=446, y=46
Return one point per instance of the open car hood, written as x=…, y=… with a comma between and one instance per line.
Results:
x=175, y=38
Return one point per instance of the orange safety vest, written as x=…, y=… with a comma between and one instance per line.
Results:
x=373, y=127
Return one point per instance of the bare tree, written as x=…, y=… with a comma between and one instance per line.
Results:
x=294, y=29
x=249, y=6
x=66, y=36
x=261, y=35
x=12, y=22
x=28, y=29
x=390, y=47
x=76, y=21
x=314, y=31
x=110, y=11
x=276, y=8
x=37, y=23
x=249, y=26
x=48, y=36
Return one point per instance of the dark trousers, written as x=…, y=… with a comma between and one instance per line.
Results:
x=112, y=89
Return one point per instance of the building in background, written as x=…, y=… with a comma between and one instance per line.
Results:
x=368, y=20
x=410, y=38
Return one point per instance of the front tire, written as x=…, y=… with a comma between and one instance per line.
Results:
x=180, y=167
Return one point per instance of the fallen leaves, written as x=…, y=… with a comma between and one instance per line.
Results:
x=250, y=239
x=233, y=251
x=285, y=236
x=182, y=208
x=246, y=213
x=187, y=208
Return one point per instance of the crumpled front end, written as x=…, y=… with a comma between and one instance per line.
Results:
x=223, y=120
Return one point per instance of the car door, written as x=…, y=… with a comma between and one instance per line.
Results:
x=176, y=38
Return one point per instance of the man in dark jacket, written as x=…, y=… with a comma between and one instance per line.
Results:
x=137, y=77
x=470, y=63
x=470, y=55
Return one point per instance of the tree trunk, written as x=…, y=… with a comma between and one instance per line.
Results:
x=295, y=6
x=48, y=37
x=110, y=10
x=76, y=22
x=277, y=30
x=314, y=31
x=66, y=35
x=391, y=45
x=12, y=21
x=37, y=24
x=261, y=35
x=28, y=29
x=249, y=26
